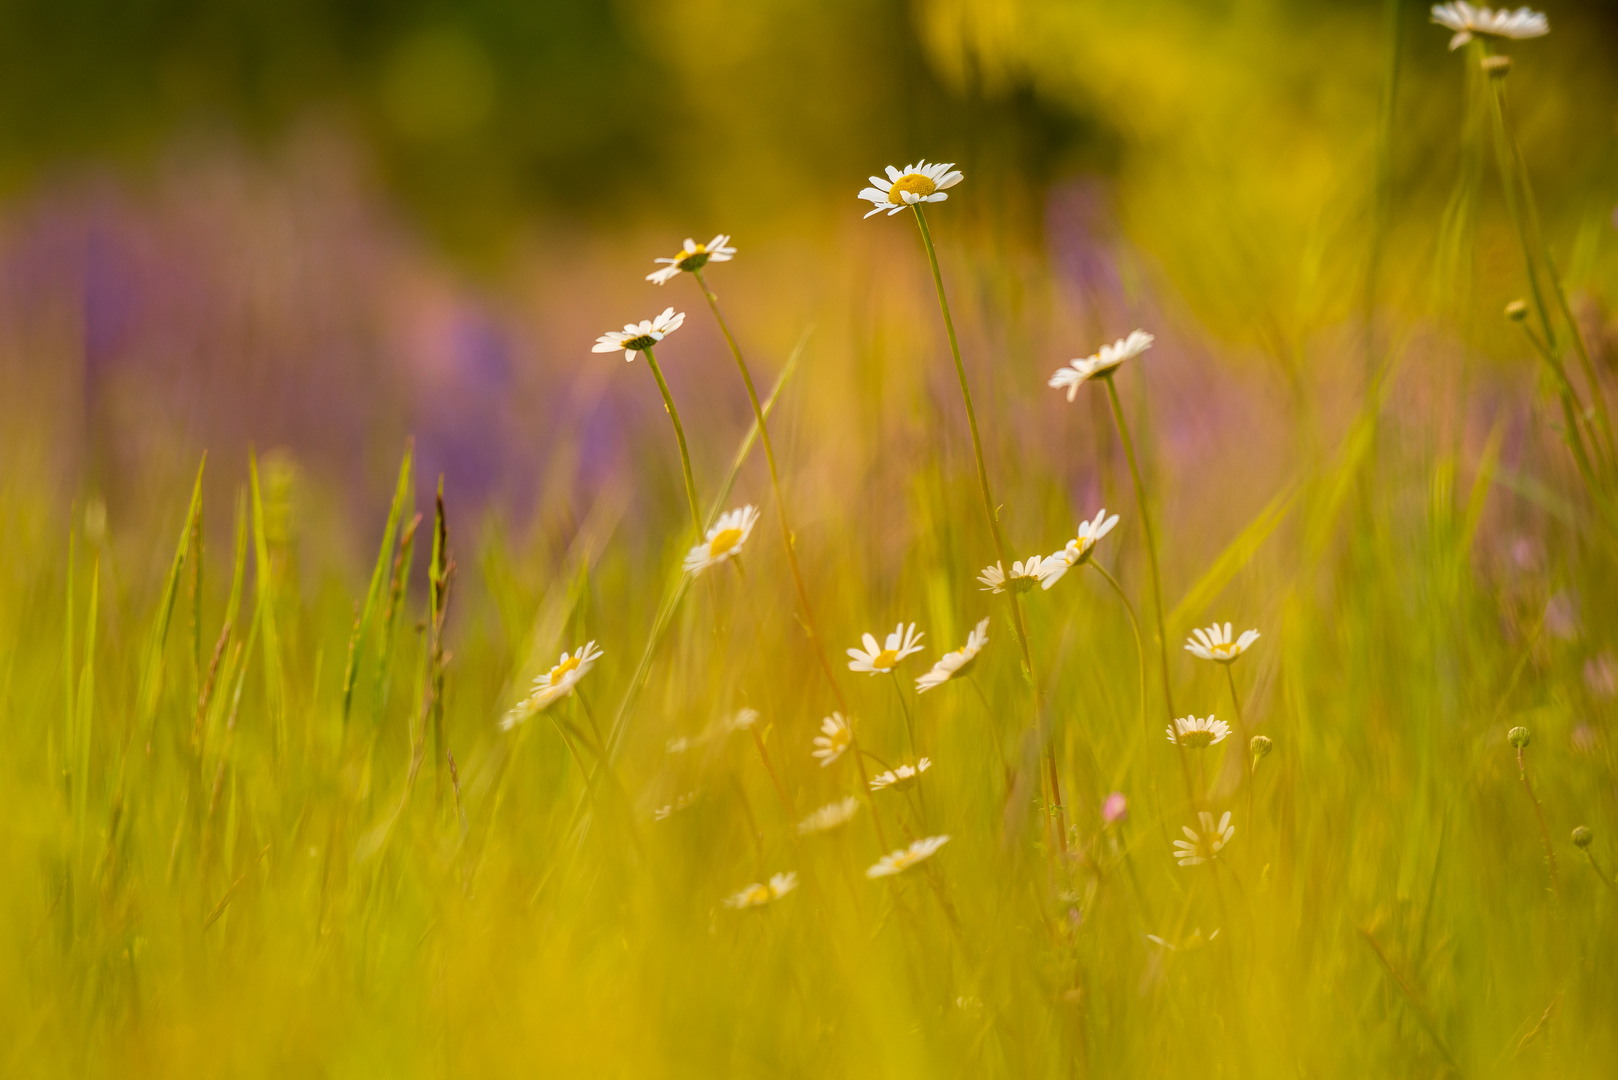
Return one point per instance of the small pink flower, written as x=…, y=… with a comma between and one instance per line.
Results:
x=1115, y=809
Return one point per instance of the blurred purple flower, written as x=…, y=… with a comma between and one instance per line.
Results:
x=1115, y=808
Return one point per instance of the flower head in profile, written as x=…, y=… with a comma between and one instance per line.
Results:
x=831, y=816
x=1200, y=847
x=723, y=541
x=956, y=661
x=1024, y=576
x=555, y=684
x=693, y=257
x=1103, y=362
x=757, y=894
x=1195, y=734
x=902, y=777
x=638, y=337
x=879, y=660
x=1217, y=644
x=904, y=858
x=1469, y=22
x=835, y=737
x=909, y=186
x=1078, y=550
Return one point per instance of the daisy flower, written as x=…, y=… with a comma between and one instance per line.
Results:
x=1078, y=550
x=1199, y=848
x=831, y=816
x=1197, y=734
x=723, y=541
x=879, y=661
x=757, y=895
x=1216, y=643
x=914, y=184
x=902, y=777
x=1024, y=575
x=1104, y=362
x=637, y=337
x=957, y=661
x=693, y=257
x=904, y=858
x=555, y=684
x=1468, y=21
x=835, y=737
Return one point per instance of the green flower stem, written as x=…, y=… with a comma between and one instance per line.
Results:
x=809, y=624
x=679, y=435
x=994, y=524
x=1544, y=831
x=1140, y=650
x=1241, y=740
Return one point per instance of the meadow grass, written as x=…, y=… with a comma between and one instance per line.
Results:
x=264, y=821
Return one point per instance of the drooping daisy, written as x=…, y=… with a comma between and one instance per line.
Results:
x=904, y=858
x=1468, y=21
x=1204, y=846
x=902, y=777
x=1078, y=550
x=1024, y=576
x=880, y=660
x=831, y=816
x=957, y=661
x=835, y=737
x=724, y=540
x=555, y=684
x=637, y=337
x=1217, y=644
x=693, y=257
x=913, y=184
x=1103, y=362
x=1195, y=734
x=757, y=895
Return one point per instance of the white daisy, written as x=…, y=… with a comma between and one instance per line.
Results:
x=555, y=684
x=757, y=895
x=1195, y=734
x=692, y=257
x=1024, y=576
x=1217, y=644
x=831, y=816
x=1468, y=21
x=723, y=541
x=902, y=777
x=913, y=184
x=879, y=660
x=904, y=858
x=1078, y=550
x=835, y=737
x=1080, y=371
x=1205, y=846
x=957, y=661
x=637, y=337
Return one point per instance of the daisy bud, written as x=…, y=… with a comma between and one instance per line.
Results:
x=1517, y=311
x=1518, y=737
x=1582, y=836
x=1261, y=747
x=1496, y=66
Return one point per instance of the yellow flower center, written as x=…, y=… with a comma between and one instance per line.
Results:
x=563, y=668
x=885, y=659
x=758, y=894
x=723, y=541
x=915, y=183
x=1196, y=740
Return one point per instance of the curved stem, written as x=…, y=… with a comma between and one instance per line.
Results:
x=904, y=707
x=1241, y=741
x=988, y=511
x=1140, y=651
x=1544, y=832
x=679, y=436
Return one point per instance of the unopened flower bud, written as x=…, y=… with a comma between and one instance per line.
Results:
x=1517, y=311
x=1261, y=746
x=1496, y=66
x=1582, y=836
x=1518, y=737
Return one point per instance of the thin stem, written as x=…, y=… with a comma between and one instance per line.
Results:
x=1544, y=833
x=1241, y=743
x=988, y=511
x=1600, y=873
x=1140, y=651
x=994, y=731
x=679, y=435
x=904, y=707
